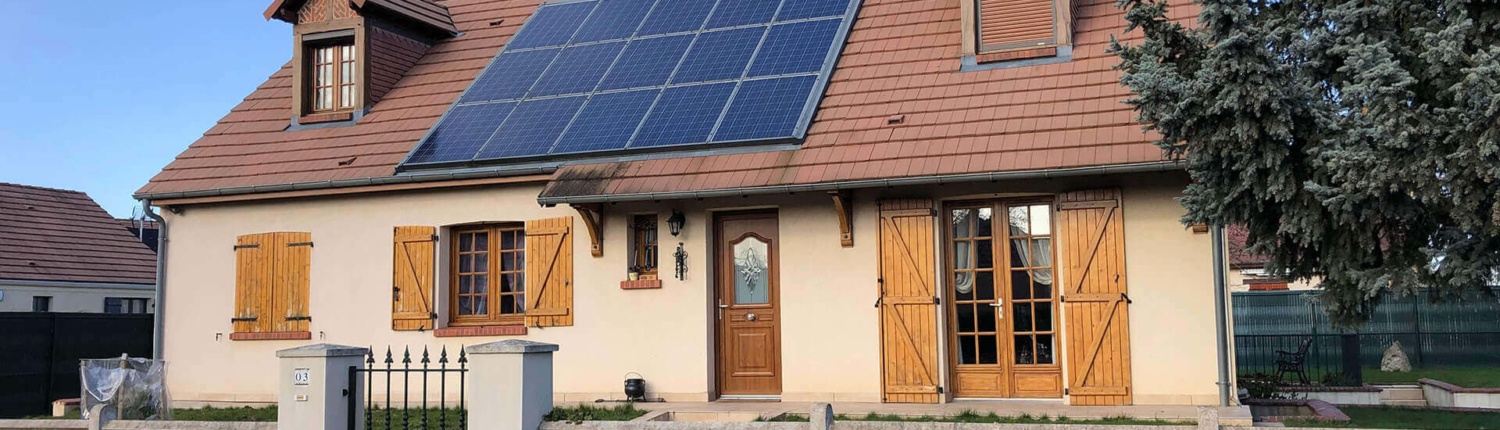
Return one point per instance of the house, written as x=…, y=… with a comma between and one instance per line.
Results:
x=1248, y=269
x=803, y=200
x=60, y=252
x=143, y=229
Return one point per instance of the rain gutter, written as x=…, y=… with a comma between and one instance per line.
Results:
x=1158, y=166
x=158, y=320
x=405, y=178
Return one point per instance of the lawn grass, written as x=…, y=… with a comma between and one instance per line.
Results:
x=1403, y=418
x=580, y=413
x=969, y=416
x=206, y=413
x=1467, y=377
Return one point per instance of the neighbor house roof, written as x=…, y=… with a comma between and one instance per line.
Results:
x=1239, y=258
x=59, y=235
x=897, y=106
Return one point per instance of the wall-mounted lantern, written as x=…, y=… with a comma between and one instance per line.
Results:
x=675, y=222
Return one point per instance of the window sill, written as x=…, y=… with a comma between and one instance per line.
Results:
x=325, y=117
x=1015, y=54
x=642, y=284
x=1016, y=58
x=273, y=335
x=487, y=330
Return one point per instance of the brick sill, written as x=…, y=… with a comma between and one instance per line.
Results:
x=488, y=330
x=643, y=284
x=275, y=335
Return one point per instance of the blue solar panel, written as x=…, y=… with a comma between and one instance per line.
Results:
x=765, y=109
x=552, y=25
x=607, y=122
x=615, y=19
x=734, y=13
x=795, y=48
x=684, y=115
x=719, y=55
x=462, y=133
x=803, y=9
x=674, y=16
x=532, y=128
x=647, y=62
x=510, y=76
x=577, y=69
x=596, y=76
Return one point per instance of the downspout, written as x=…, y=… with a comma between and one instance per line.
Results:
x=1220, y=316
x=158, y=328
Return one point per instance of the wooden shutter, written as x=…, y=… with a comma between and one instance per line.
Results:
x=549, y=272
x=908, y=302
x=254, y=269
x=293, y=264
x=414, y=254
x=1095, y=299
x=1015, y=24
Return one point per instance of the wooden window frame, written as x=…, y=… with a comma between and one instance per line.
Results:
x=341, y=48
x=971, y=45
x=493, y=295
x=645, y=244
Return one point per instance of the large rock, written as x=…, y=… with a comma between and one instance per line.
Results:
x=1395, y=359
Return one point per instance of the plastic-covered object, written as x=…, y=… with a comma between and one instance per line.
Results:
x=133, y=388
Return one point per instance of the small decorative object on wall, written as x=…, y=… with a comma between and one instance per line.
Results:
x=681, y=257
x=675, y=222
x=635, y=388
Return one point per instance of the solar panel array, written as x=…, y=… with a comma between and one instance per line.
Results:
x=618, y=75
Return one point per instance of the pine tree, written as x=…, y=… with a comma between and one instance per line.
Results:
x=1357, y=141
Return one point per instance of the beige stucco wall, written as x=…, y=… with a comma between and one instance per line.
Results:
x=67, y=297
x=830, y=336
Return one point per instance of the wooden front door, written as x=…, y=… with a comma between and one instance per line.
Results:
x=1002, y=304
x=748, y=316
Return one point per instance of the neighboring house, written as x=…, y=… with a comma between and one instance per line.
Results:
x=1248, y=270
x=144, y=229
x=60, y=252
x=937, y=199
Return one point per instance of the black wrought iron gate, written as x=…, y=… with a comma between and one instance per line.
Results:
x=396, y=411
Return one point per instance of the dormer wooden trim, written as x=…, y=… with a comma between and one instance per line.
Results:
x=422, y=15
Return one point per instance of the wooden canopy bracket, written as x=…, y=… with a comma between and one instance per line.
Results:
x=593, y=219
x=842, y=204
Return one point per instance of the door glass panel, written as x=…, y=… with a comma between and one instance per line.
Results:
x=986, y=290
x=1041, y=252
x=1044, y=316
x=481, y=284
x=1041, y=220
x=465, y=242
x=963, y=219
x=1020, y=285
x=464, y=283
x=1043, y=283
x=1044, y=349
x=1021, y=314
x=986, y=251
x=751, y=272
x=989, y=350
x=482, y=241
x=963, y=285
x=966, y=352
x=466, y=263
x=1024, y=352
x=965, y=317
x=507, y=306
x=962, y=259
x=482, y=262
x=1018, y=221
x=983, y=227
x=986, y=318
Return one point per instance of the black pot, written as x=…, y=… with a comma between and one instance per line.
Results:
x=635, y=388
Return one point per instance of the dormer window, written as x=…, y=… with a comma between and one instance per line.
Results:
x=334, y=84
x=1009, y=30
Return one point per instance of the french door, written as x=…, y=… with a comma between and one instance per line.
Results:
x=1002, y=323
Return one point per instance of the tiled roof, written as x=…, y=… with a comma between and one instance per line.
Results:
x=59, y=235
x=901, y=63
x=250, y=148
x=1239, y=258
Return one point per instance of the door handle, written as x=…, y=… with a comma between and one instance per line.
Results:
x=999, y=306
x=720, y=310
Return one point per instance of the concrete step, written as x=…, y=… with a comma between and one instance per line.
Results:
x=1401, y=394
x=1417, y=403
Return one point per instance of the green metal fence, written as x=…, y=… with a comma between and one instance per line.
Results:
x=1461, y=332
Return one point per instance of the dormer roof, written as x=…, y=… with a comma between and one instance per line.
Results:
x=422, y=13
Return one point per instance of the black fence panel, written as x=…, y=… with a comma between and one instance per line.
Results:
x=1451, y=332
x=41, y=353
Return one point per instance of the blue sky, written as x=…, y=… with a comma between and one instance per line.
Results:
x=97, y=95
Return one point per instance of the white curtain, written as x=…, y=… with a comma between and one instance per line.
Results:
x=1042, y=253
x=963, y=259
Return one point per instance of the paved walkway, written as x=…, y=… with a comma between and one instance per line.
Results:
x=999, y=407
